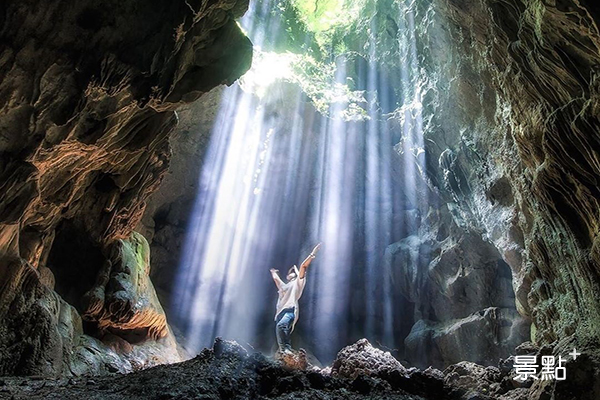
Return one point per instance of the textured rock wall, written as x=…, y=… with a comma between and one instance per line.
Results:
x=513, y=149
x=169, y=209
x=87, y=100
x=536, y=195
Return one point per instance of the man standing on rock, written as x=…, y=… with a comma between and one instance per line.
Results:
x=287, y=304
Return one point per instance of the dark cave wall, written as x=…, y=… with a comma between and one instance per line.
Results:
x=513, y=149
x=87, y=100
x=531, y=151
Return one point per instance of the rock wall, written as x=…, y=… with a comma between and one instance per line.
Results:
x=88, y=94
x=169, y=209
x=87, y=103
x=529, y=148
x=512, y=147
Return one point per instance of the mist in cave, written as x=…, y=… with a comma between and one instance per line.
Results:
x=280, y=177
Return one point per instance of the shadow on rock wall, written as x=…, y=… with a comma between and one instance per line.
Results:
x=87, y=100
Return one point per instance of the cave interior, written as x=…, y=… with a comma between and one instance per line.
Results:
x=158, y=158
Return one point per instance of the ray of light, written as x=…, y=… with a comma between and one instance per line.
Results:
x=280, y=177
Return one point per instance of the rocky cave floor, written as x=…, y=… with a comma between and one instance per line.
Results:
x=228, y=371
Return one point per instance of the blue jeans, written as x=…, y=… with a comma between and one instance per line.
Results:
x=283, y=329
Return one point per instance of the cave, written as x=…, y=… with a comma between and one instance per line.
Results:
x=310, y=199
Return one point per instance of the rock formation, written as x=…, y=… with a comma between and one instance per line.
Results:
x=518, y=150
x=123, y=299
x=88, y=95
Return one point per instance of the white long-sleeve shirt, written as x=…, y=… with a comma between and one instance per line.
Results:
x=289, y=294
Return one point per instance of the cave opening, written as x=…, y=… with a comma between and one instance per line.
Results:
x=74, y=261
x=322, y=141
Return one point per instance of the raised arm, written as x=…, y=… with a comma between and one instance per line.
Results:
x=308, y=260
x=276, y=278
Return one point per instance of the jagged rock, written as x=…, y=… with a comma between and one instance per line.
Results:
x=293, y=359
x=228, y=348
x=526, y=348
x=228, y=371
x=362, y=358
x=225, y=371
x=471, y=380
x=87, y=100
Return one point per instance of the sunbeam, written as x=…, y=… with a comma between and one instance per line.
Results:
x=282, y=174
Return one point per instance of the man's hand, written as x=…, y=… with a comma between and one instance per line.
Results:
x=274, y=271
x=308, y=260
x=314, y=252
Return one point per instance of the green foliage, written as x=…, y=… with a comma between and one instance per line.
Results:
x=319, y=32
x=315, y=78
x=326, y=17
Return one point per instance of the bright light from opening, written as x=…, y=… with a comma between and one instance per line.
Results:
x=267, y=68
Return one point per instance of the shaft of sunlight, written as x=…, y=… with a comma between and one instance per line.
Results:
x=279, y=177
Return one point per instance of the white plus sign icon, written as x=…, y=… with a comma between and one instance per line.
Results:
x=574, y=354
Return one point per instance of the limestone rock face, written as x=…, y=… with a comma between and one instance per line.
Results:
x=519, y=160
x=38, y=328
x=485, y=336
x=511, y=147
x=88, y=94
x=124, y=300
x=462, y=290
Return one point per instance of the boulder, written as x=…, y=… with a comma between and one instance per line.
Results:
x=362, y=358
x=124, y=300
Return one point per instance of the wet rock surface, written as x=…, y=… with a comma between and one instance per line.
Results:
x=363, y=359
x=511, y=152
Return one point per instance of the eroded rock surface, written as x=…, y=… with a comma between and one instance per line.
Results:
x=88, y=94
x=524, y=148
x=511, y=92
x=124, y=300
